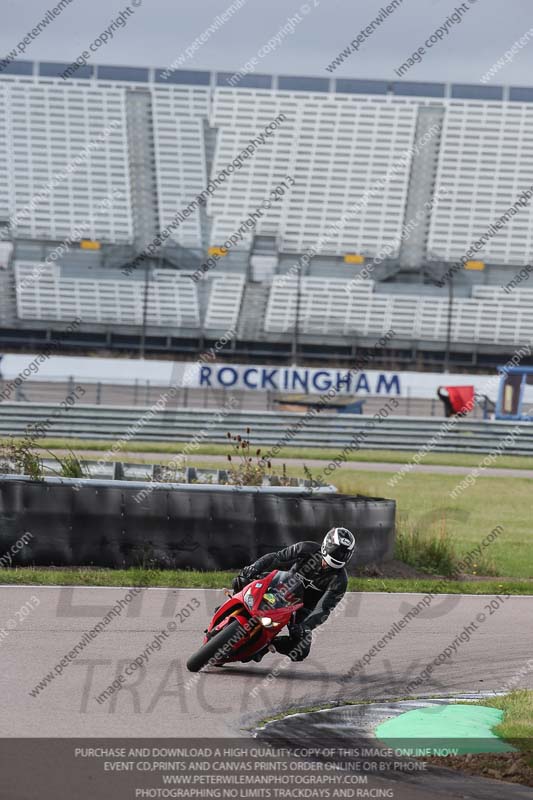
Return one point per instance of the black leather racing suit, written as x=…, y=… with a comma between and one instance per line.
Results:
x=324, y=590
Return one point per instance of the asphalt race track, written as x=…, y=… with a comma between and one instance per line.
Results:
x=162, y=699
x=220, y=701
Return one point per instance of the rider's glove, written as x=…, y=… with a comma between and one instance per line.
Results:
x=248, y=572
x=242, y=580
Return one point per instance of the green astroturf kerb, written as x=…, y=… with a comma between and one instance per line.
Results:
x=459, y=728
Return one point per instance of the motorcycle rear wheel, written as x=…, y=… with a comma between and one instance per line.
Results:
x=215, y=650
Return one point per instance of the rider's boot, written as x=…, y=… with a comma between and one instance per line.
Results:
x=260, y=655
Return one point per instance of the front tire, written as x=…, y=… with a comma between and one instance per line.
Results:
x=215, y=649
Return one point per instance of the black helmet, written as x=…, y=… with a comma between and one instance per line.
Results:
x=338, y=547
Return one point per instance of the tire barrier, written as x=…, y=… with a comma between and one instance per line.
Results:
x=104, y=524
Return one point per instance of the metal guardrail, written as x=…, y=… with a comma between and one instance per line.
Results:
x=112, y=423
x=122, y=392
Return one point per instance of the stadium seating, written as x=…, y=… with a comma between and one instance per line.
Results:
x=172, y=297
x=224, y=305
x=327, y=308
x=180, y=157
x=63, y=153
x=338, y=140
x=152, y=144
x=485, y=162
x=336, y=149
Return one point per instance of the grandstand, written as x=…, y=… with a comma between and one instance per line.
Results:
x=394, y=182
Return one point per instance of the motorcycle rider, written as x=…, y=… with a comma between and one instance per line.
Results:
x=325, y=578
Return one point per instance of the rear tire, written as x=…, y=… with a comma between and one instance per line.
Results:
x=216, y=647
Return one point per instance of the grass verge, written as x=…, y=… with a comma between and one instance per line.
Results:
x=425, y=508
x=217, y=580
x=517, y=724
x=517, y=729
x=434, y=554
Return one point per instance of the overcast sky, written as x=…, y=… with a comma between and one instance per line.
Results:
x=160, y=30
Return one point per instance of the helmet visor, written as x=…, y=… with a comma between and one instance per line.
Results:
x=340, y=554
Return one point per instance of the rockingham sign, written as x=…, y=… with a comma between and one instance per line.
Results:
x=296, y=379
x=254, y=378
x=300, y=380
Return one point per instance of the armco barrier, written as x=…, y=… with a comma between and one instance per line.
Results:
x=268, y=428
x=82, y=523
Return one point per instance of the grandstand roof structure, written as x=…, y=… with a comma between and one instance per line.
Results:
x=212, y=79
x=328, y=209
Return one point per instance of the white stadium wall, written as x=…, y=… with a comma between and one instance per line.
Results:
x=339, y=139
x=254, y=378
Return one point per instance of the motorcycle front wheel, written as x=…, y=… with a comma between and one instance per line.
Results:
x=218, y=648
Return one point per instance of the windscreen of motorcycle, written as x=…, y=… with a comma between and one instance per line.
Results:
x=286, y=589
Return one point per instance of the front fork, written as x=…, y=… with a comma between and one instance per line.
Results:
x=228, y=593
x=210, y=633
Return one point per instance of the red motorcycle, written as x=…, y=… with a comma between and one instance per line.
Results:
x=249, y=620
